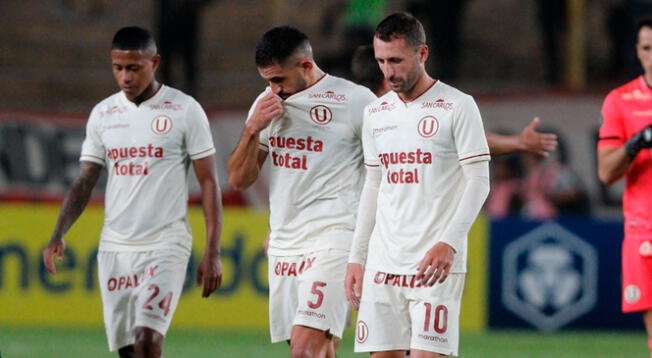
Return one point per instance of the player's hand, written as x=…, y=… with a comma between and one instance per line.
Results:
x=638, y=141
x=536, y=142
x=209, y=273
x=353, y=284
x=269, y=107
x=55, y=248
x=436, y=265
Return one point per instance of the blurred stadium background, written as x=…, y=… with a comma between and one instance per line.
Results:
x=544, y=271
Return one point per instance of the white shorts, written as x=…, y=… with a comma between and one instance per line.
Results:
x=139, y=289
x=307, y=290
x=396, y=313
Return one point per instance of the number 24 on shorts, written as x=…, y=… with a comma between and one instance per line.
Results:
x=320, y=294
x=163, y=304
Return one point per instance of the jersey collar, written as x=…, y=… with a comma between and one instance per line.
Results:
x=319, y=81
x=420, y=95
x=643, y=85
x=157, y=96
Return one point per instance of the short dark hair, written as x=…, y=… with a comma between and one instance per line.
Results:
x=401, y=25
x=132, y=38
x=365, y=69
x=644, y=22
x=278, y=44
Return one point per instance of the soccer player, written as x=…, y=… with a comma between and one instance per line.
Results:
x=310, y=124
x=146, y=135
x=624, y=150
x=366, y=72
x=427, y=177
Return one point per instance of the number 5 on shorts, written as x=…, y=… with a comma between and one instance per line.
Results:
x=320, y=294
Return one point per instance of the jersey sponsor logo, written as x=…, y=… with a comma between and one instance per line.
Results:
x=120, y=154
x=161, y=124
x=379, y=278
x=291, y=161
x=128, y=281
x=149, y=151
x=440, y=103
x=409, y=281
x=431, y=338
x=403, y=176
x=167, y=106
x=329, y=95
x=311, y=314
x=383, y=106
x=321, y=115
x=361, y=332
x=116, y=126
x=384, y=129
x=113, y=110
x=428, y=126
x=635, y=95
x=284, y=268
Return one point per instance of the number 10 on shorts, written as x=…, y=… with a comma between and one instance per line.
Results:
x=440, y=321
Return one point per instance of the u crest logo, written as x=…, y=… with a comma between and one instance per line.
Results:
x=321, y=114
x=161, y=125
x=362, y=333
x=428, y=126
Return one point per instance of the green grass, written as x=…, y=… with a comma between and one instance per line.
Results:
x=54, y=343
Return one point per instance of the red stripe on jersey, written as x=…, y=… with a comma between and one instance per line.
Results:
x=474, y=156
x=94, y=156
x=371, y=165
x=203, y=151
x=417, y=97
x=609, y=138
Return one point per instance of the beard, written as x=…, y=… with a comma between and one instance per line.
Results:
x=301, y=84
x=403, y=84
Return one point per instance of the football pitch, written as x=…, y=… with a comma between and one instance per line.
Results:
x=66, y=342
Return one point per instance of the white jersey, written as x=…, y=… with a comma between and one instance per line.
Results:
x=420, y=147
x=147, y=151
x=316, y=166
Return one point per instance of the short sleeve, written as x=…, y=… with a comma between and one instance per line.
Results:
x=612, y=130
x=362, y=98
x=468, y=132
x=93, y=148
x=263, y=136
x=368, y=142
x=199, y=141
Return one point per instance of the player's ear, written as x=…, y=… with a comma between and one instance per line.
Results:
x=423, y=53
x=306, y=64
x=156, y=61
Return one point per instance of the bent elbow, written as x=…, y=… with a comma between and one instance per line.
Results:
x=238, y=182
x=606, y=177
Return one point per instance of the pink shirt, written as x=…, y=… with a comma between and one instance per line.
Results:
x=626, y=111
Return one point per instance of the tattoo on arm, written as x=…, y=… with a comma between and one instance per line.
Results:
x=77, y=197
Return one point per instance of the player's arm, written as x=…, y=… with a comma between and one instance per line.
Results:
x=614, y=161
x=529, y=140
x=438, y=261
x=73, y=205
x=363, y=228
x=247, y=159
x=209, y=273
